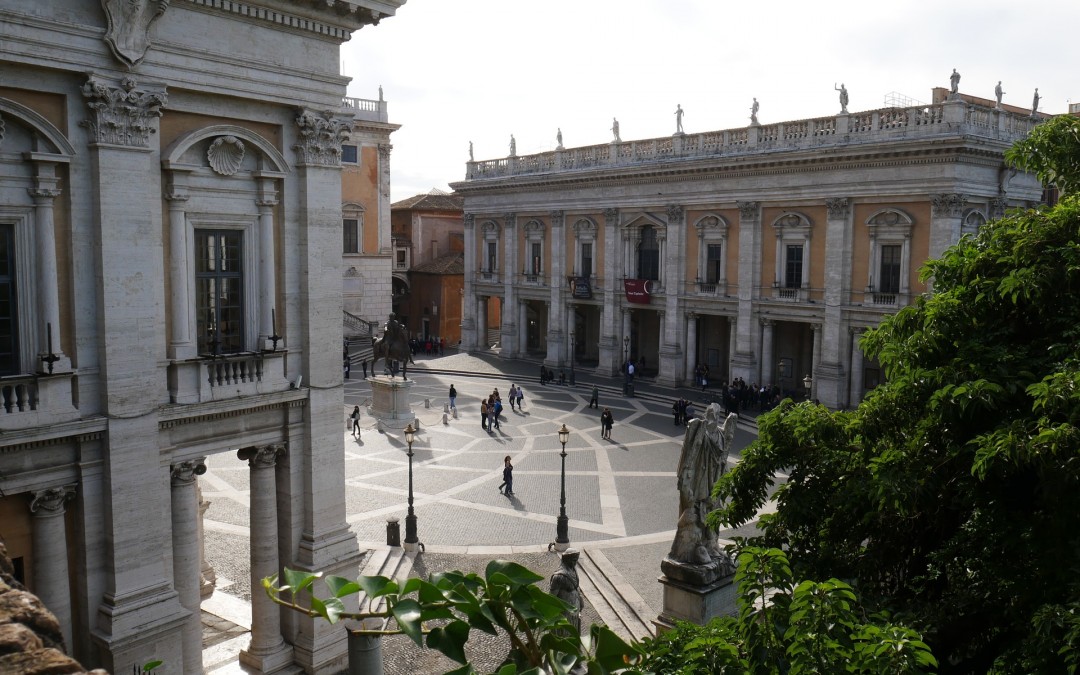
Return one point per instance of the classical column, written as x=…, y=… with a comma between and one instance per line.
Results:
x=207, y=575
x=267, y=268
x=181, y=345
x=610, y=347
x=186, y=559
x=733, y=335
x=815, y=362
x=482, y=323
x=51, y=554
x=267, y=650
x=743, y=362
x=523, y=327
x=856, y=368
x=48, y=329
x=768, y=361
x=690, y=362
x=673, y=259
x=510, y=235
x=571, y=328
x=468, y=320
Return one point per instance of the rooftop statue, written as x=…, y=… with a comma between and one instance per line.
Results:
x=954, y=82
x=843, y=97
x=615, y=130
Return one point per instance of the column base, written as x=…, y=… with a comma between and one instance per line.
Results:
x=269, y=660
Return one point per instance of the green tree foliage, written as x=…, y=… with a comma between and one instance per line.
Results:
x=1051, y=152
x=786, y=627
x=951, y=495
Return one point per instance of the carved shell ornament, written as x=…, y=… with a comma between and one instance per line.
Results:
x=225, y=155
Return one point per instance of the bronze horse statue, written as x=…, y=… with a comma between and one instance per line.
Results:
x=392, y=346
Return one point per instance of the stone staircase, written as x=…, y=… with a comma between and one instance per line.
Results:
x=614, y=599
x=391, y=562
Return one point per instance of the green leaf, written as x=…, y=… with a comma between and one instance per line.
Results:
x=340, y=586
x=407, y=613
x=150, y=665
x=612, y=652
x=513, y=572
x=450, y=640
x=296, y=581
x=377, y=586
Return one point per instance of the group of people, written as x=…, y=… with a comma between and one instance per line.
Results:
x=701, y=376
x=490, y=410
x=682, y=410
x=429, y=345
x=548, y=375
x=738, y=396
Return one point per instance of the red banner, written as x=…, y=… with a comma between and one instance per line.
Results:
x=637, y=290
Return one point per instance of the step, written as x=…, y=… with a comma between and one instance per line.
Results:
x=391, y=562
x=620, y=607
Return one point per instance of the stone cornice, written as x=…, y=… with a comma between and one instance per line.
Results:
x=333, y=19
x=176, y=415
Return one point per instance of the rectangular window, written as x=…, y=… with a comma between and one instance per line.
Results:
x=492, y=258
x=793, y=267
x=9, y=317
x=219, y=291
x=536, y=258
x=889, y=280
x=586, y=260
x=351, y=230
x=349, y=154
x=712, y=263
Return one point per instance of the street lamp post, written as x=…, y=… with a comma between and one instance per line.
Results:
x=411, y=540
x=562, y=523
x=572, y=359
x=808, y=382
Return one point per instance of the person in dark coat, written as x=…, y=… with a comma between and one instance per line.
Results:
x=508, y=477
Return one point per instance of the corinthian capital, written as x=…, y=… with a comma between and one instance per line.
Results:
x=748, y=210
x=469, y=220
x=838, y=207
x=675, y=213
x=321, y=136
x=122, y=114
x=948, y=205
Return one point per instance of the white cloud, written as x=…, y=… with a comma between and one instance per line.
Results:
x=459, y=70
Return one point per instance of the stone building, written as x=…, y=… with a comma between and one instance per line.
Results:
x=170, y=282
x=428, y=239
x=763, y=252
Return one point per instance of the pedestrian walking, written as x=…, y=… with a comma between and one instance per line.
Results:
x=594, y=400
x=606, y=422
x=511, y=396
x=675, y=409
x=483, y=414
x=520, y=398
x=453, y=397
x=508, y=477
x=355, y=417
x=496, y=410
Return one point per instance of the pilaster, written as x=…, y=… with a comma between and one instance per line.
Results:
x=556, y=336
x=468, y=322
x=672, y=370
x=510, y=233
x=828, y=358
x=610, y=341
x=744, y=364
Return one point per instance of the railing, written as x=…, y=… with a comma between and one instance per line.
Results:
x=534, y=279
x=488, y=277
x=401, y=266
x=229, y=371
x=19, y=394
x=365, y=108
x=361, y=327
x=950, y=118
x=706, y=287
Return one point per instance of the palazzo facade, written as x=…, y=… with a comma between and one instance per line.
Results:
x=762, y=252
x=171, y=289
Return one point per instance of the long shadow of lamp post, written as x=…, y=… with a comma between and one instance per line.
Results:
x=562, y=523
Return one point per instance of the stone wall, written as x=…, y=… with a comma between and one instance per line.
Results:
x=30, y=637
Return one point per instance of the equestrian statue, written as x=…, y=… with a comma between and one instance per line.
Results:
x=392, y=346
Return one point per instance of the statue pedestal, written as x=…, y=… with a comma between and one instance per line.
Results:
x=390, y=401
x=695, y=593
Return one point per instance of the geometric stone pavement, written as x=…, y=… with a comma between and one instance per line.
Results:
x=621, y=496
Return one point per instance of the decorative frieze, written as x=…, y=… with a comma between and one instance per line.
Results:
x=225, y=155
x=838, y=207
x=124, y=114
x=948, y=205
x=129, y=27
x=321, y=136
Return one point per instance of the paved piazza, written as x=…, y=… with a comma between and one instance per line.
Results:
x=621, y=498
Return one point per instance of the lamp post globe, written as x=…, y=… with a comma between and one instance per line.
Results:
x=808, y=382
x=562, y=524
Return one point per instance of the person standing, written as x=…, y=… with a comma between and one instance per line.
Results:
x=606, y=422
x=508, y=477
x=520, y=397
x=494, y=410
x=594, y=400
x=364, y=364
x=347, y=364
x=453, y=397
x=355, y=417
x=675, y=410
x=511, y=396
x=483, y=414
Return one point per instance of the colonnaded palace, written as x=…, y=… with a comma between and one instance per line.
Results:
x=762, y=252
x=171, y=282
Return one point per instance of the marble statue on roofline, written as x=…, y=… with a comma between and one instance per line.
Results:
x=1035, y=103
x=954, y=83
x=615, y=130
x=753, y=112
x=998, y=93
x=843, y=97
x=513, y=146
x=678, y=118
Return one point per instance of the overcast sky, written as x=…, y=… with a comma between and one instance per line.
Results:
x=455, y=71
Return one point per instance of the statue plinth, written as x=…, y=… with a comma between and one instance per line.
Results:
x=696, y=593
x=390, y=401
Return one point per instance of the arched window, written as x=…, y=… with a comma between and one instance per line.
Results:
x=648, y=255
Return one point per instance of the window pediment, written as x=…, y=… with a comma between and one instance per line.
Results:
x=711, y=225
x=793, y=222
x=890, y=222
